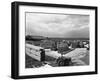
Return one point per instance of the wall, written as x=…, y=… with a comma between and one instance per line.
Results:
x=5, y=41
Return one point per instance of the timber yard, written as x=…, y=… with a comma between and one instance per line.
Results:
x=56, y=52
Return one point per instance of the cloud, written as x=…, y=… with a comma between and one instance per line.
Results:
x=57, y=25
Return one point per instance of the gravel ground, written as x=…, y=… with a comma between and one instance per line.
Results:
x=86, y=58
x=32, y=63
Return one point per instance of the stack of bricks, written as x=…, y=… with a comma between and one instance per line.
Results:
x=62, y=47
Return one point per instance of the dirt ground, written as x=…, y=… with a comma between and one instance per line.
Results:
x=32, y=63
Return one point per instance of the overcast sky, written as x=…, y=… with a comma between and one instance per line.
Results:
x=57, y=25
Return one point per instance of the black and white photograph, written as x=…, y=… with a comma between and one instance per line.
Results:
x=51, y=40
x=56, y=40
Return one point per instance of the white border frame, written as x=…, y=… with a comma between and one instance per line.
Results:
x=54, y=70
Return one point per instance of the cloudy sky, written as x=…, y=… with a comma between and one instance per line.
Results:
x=57, y=25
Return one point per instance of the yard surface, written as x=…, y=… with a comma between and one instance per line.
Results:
x=80, y=59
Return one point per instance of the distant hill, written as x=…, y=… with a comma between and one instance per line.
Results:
x=71, y=38
x=30, y=37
